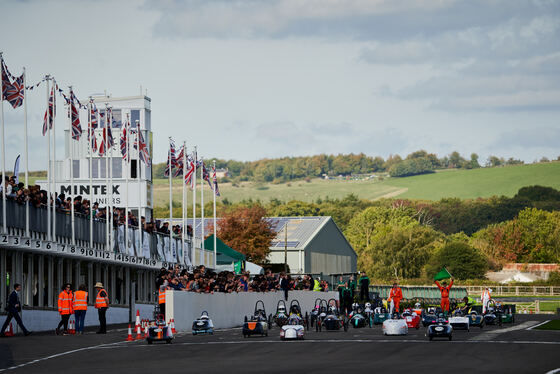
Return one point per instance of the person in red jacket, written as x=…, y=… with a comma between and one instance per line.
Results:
x=444, y=289
x=65, y=308
x=396, y=296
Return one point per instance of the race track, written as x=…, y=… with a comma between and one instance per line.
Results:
x=510, y=349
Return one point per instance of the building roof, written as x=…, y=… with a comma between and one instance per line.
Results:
x=300, y=229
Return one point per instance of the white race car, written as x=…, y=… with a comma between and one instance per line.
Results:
x=294, y=329
x=395, y=326
x=459, y=321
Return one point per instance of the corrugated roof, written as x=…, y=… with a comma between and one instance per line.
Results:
x=300, y=229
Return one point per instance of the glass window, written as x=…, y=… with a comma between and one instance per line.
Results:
x=133, y=169
x=117, y=118
x=134, y=116
x=76, y=168
x=95, y=168
x=117, y=167
x=148, y=124
x=102, y=168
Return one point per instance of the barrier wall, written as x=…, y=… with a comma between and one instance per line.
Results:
x=45, y=320
x=228, y=309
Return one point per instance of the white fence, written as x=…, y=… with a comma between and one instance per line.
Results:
x=228, y=309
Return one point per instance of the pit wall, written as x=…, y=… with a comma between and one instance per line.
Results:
x=229, y=309
x=45, y=320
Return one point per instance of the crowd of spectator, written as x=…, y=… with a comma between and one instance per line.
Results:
x=37, y=197
x=202, y=280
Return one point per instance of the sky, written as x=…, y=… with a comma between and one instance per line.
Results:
x=251, y=79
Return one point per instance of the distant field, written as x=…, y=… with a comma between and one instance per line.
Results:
x=484, y=182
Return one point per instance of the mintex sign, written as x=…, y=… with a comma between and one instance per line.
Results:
x=102, y=192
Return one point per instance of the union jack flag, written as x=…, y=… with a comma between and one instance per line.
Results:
x=75, y=118
x=110, y=139
x=49, y=114
x=205, y=174
x=179, y=162
x=144, y=155
x=101, y=149
x=5, y=81
x=124, y=145
x=215, y=181
x=92, y=124
x=14, y=92
x=189, y=172
x=93, y=114
x=171, y=159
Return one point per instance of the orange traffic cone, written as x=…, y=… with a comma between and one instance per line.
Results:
x=10, y=331
x=146, y=332
x=137, y=317
x=129, y=337
x=138, y=333
x=72, y=327
x=173, y=326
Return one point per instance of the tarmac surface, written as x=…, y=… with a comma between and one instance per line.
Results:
x=508, y=349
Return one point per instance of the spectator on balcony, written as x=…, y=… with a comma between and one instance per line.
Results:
x=164, y=229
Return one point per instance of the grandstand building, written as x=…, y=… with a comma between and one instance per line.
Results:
x=42, y=260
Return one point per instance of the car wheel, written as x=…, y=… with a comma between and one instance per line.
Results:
x=150, y=341
x=417, y=327
x=431, y=338
x=450, y=337
x=168, y=341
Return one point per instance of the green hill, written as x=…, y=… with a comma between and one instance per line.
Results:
x=484, y=182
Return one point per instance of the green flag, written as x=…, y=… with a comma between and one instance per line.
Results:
x=443, y=274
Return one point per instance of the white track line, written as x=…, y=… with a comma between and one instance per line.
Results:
x=487, y=335
x=542, y=323
x=553, y=371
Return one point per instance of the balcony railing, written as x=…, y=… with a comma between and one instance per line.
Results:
x=154, y=250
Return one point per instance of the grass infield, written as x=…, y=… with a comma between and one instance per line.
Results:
x=550, y=325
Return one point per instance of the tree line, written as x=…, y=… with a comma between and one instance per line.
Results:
x=291, y=168
x=400, y=238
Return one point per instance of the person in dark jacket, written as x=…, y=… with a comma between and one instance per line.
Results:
x=285, y=285
x=364, y=287
x=13, y=308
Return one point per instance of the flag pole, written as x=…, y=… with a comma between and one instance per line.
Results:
x=184, y=210
x=127, y=157
x=91, y=133
x=4, y=228
x=106, y=145
x=49, y=189
x=139, y=186
x=215, y=239
x=110, y=155
x=202, y=203
x=169, y=164
x=26, y=150
x=54, y=166
x=194, y=204
x=71, y=151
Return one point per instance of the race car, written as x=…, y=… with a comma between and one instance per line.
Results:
x=395, y=326
x=333, y=320
x=203, y=325
x=357, y=317
x=412, y=319
x=257, y=324
x=459, y=321
x=295, y=326
x=442, y=329
x=491, y=316
x=318, y=311
x=418, y=309
x=159, y=332
x=295, y=312
x=281, y=315
x=508, y=313
x=380, y=315
x=475, y=319
x=429, y=318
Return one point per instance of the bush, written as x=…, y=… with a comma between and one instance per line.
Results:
x=460, y=259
